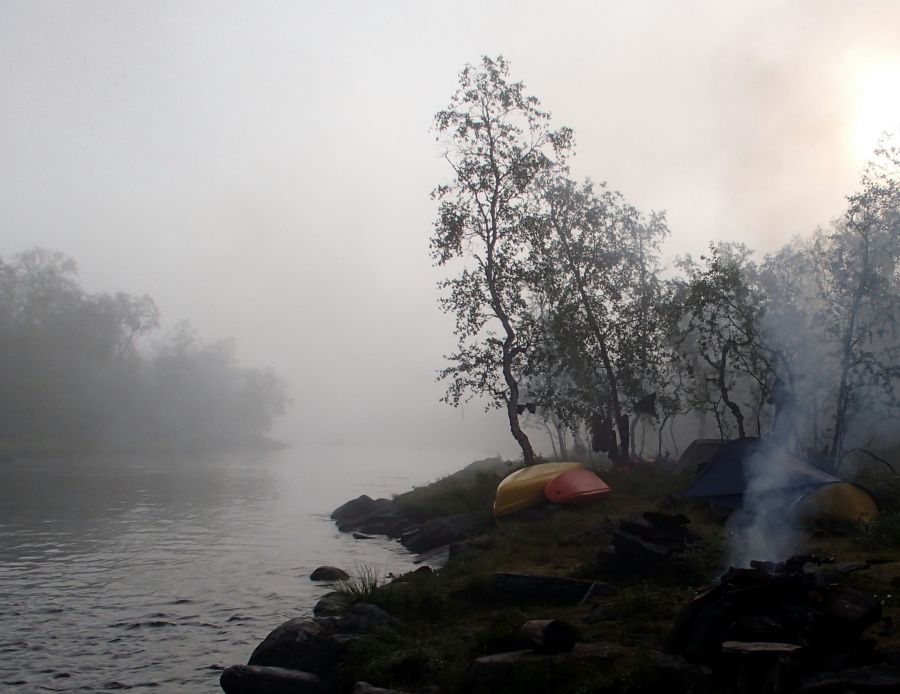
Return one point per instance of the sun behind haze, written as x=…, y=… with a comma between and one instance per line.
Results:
x=263, y=169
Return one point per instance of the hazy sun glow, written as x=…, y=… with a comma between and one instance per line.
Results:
x=877, y=106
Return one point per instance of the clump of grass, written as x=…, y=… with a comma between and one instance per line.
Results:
x=364, y=586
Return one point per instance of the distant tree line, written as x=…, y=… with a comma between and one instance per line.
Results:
x=73, y=379
x=566, y=316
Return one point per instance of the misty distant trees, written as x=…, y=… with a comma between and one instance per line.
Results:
x=561, y=300
x=72, y=378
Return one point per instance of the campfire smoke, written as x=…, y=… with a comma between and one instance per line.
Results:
x=761, y=528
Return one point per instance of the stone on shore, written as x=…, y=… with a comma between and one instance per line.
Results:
x=330, y=605
x=364, y=618
x=445, y=530
x=298, y=644
x=253, y=679
x=329, y=573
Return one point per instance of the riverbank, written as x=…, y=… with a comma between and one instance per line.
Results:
x=480, y=623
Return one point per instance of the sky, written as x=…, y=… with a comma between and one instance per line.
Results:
x=263, y=169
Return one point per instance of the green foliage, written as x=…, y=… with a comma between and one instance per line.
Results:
x=498, y=142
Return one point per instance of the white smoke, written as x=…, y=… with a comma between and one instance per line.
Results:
x=761, y=529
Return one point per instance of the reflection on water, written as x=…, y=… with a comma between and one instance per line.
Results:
x=119, y=573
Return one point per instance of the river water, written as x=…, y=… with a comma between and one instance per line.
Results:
x=155, y=572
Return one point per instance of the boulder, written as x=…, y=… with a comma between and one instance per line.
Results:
x=298, y=644
x=548, y=635
x=363, y=618
x=443, y=531
x=329, y=573
x=330, y=605
x=357, y=508
x=252, y=679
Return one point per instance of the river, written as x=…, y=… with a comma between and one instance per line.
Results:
x=157, y=571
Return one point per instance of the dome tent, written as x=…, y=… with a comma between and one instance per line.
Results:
x=805, y=494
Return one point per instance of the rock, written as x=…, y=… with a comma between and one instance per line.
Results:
x=298, y=644
x=366, y=688
x=680, y=675
x=538, y=589
x=502, y=671
x=329, y=573
x=633, y=550
x=599, y=589
x=442, y=531
x=330, y=605
x=850, y=612
x=363, y=618
x=251, y=679
x=608, y=612
x=355, y=509
x=362, y=536
x=878, y=678
x=666, y=519
x=548, y=635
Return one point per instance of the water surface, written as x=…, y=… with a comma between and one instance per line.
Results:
x=155, y=572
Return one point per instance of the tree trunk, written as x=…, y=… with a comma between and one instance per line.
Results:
x=843, y=401
x=594, y=325
x=550, y=436
x=723, y=391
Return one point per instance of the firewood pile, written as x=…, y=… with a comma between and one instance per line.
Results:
x=642, y=542
x=793, y=611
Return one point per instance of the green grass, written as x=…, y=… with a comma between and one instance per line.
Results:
x=448, y=618
x=363, y=586
x=450, y=496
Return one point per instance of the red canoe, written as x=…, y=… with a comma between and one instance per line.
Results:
x=575, y=487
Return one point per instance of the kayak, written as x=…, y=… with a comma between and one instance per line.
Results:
x=525, y=487
x=575, y=487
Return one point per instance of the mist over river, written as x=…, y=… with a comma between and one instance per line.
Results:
x=141, y=572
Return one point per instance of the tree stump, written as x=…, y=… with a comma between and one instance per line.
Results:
x=760, y=664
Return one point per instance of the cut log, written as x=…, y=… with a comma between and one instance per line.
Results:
x=547, y=635
x=760, y=664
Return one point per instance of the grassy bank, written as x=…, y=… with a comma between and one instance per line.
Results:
x=449, y=618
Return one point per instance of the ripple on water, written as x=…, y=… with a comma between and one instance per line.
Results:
x=163, y=587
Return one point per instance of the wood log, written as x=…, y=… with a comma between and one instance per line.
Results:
x=760, y=664
x=547, y=635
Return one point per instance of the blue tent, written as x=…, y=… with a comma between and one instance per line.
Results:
x=724, y=480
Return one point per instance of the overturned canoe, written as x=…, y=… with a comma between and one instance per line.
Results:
x=525, y=487
x=575, y=487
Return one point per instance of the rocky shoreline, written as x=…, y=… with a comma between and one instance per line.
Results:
x=603, y=599
x=302, y=655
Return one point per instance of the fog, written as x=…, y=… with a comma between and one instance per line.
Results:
x=263, y=169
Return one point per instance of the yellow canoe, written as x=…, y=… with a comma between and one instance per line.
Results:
x=525, y=487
